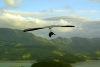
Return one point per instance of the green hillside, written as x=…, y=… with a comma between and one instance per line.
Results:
x=80, y=46
x=17, y=45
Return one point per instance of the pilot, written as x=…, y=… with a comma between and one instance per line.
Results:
x=51, y=33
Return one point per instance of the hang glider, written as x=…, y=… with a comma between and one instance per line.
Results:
x=50, y=27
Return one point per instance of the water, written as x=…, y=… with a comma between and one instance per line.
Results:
x=94, y=63
x=16, y=63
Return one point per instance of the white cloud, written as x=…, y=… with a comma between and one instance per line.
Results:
x=23, y=13
x=72, y=12
x=68, y=18
x=12, y=3
x=13, y=21
x=51, y=14
x=17, y=21
x=54, y=10
x=63, y=22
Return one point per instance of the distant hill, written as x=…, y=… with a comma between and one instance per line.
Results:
x=78, y=44
x=18, y=45
x=85, y=46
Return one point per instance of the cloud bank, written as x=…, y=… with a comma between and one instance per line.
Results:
x=84, y=27
x=19, y=22
x=24, y=13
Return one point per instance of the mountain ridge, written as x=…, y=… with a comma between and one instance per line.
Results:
x=17, y=39
x=17, y=45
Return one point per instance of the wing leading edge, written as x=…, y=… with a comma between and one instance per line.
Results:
x=31, y=29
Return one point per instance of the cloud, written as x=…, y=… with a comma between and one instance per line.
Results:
x=18, y=22
x=23, y=13
x=50, y=13
x=72, y=12
x=87, y=11
x=1, y=11
x=68, y=7
x=95, y=0
x=67, y=18
x=12, y=3
x=84, y=27
x=13, y=21
x=54, y=10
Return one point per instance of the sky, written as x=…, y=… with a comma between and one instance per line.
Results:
x=23, y=14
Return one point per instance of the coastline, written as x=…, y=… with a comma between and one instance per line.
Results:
x=20, y=61
x=87, y=62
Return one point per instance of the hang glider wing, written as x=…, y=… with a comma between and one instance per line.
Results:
x=31, y=29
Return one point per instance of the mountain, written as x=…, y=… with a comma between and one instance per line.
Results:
x=78, y=45
x=18, y=45
x=17, y=36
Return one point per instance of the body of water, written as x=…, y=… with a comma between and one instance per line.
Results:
x=93, y=63
x=16, y=63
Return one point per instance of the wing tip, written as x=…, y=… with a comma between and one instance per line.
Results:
x=68, y=26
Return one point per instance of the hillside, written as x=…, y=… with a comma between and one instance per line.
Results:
x=78, y=45
x=22, y=45
x=17, y=45
x=18, y=36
